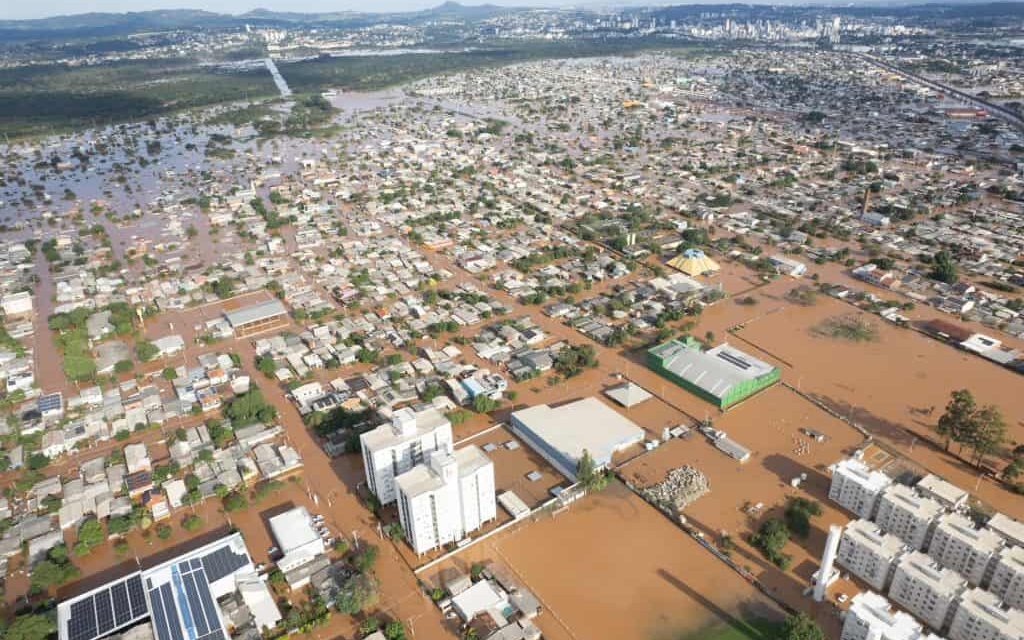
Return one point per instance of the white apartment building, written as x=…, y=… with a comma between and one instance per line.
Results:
x=869, y=553
x=855, y=487
x=949, y=495
x=981, y=616
x=393, y=449
x=958, y=545
x=1008, y=577
x=925, y=589
x=1008, y=528
x=870, y=617
x=443, y=500
x=908, y=515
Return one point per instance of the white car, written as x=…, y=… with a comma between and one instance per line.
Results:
x=842, y=598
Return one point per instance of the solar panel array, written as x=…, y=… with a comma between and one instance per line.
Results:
x=222, y=562
x=111, y=608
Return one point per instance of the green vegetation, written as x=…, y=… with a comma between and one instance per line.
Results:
x=90, y=535
x=800, y=627
x=145, y=351
x=45, y=99
x=770, y=538
x=191, y=522
x=31, y=626
x=250, y=407
x=981, y=429
x=587, y=474
x=572, y=360
x=851, y=327
x=736, y=629
x=798, y=514
x=943, y=268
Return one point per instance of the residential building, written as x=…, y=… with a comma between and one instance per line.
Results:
x=925, y=589
x=855, y=487
x=908, y=515
x=869, y=553
x=442, y=501
x=958, y=545
x=1009, y=529
x=981, y=616
x=393, y=449
x=949, y=495
x=1008, y=577
x=870, y=617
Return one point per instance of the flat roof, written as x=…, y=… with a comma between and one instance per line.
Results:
x=715, y=371
x=876, y=613
x=293, y=530
x=985, y=605
x=944, y=582
x=909, y=500
x=962, y=528
x=388, y=435
x=860, y=473
x=1011, y=530
x=943, y=491
x=423, y=478
x=870, y=535
x=179, y=596
x=565, y=432
x=255, y=313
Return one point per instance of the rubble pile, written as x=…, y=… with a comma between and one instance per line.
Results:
x=681, y=486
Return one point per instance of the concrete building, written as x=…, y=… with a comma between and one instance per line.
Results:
x=981, y=616
x=257, y=318
x=855, y=487
x=442, y=501
x=922, y=587
x=908, y=515
x=958, y=545
x=298, y=540
x=561, y=434
x=870, y=617
x=869, y=553
x=1009, y=529
x=948, y=495
x=393, y=449
x=1008, y=577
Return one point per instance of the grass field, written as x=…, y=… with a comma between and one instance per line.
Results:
x=738, y=630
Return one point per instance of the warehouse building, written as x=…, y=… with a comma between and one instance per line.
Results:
x=981, y=616
x=561, y=434
x=722, y=376
x=300, y=544
x=257, y=318
x=855, y=487
x=908, y=515
x=869, y=553
x=179, y=597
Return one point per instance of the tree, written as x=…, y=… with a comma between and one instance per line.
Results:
x=163, y=531
x=146, y=351
x=770, y=538
x=989, y=433
x=587, y=474
x=955, y=422
x=798, y=514
x=483, y=404
x=801, y=627
x=356, y=594
x=191, y=522
x=32, y=626
x=48, y=572
x=394, y=630
x=943, y=268
x=364, y=560
x=169, y=373
x=266, y=365
x=1013, y=470
x=235, y=501
x=90, y=534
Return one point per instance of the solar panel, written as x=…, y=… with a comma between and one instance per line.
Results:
x=136, y=596
x=122, y=607
x=163, y=632
x=208, y=606
x=222, y=562
x=194, y=605
x=104, y=612
x=172, y=611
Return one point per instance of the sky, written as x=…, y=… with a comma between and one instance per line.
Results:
x=14, y=10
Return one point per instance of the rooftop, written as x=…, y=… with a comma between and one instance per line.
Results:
x=255, y=313
x=715, y=371
x=426, y=478
x=875, y=611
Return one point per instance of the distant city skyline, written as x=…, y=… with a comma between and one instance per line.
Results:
x=53, y=8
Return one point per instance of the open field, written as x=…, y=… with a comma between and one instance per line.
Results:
x=896, y=387
x=612, y=567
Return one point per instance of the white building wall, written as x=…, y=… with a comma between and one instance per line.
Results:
x=904, y=513
x=1008, y=578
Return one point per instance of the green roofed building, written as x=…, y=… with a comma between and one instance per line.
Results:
x=723, y=375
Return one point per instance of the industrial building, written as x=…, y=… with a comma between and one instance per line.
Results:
x=561, y=434
x=981, y=616
x=958, y=545
x=869, y=553
x=1007, y=580
x=179, y=597
x=870, y=617
x=393, y=449
x=257, y=318
x=722, y=376
x=908, y=515
x=927, y=590
x=448, y=497
x=855, y=487
x=300, y=544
